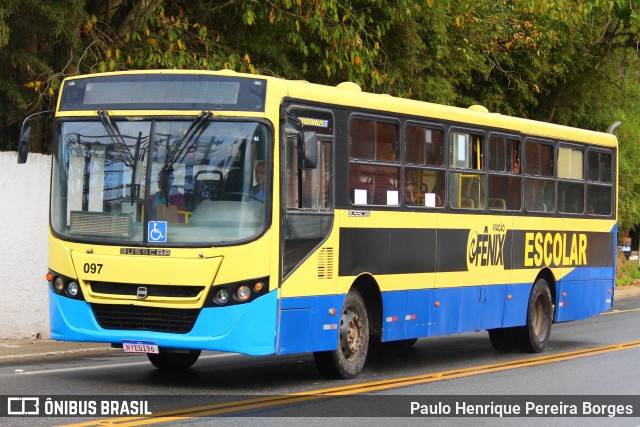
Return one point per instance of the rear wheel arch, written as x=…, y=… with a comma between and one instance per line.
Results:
x=548, y=276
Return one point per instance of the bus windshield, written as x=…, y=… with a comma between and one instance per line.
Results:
x=160, y=182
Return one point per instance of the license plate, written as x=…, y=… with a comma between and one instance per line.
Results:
x=137, y=346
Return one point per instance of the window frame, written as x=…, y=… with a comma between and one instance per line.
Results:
x=560, y=182
x=611, y=184
x=502, y=173
x=459, y=171
x=373, y=163
x=526, y=175
x=442, y=168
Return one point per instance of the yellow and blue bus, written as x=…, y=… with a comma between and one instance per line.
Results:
x=196, y=210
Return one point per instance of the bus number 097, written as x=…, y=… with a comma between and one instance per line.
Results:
x=92, y=268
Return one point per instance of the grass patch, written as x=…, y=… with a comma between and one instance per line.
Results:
x=627, y=272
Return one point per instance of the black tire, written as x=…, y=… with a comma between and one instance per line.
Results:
x=348, y=360
x=502, y=339
x=398, y=344
x=534, y=336
x=174, y=361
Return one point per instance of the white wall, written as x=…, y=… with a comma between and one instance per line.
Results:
x=24, y=194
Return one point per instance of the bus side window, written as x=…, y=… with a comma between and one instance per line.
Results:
x=570, y=180
x=467, y=185
x=424, y=174
x=505, y=181
x=377, y=183
x=599, y=185
x=540, y=189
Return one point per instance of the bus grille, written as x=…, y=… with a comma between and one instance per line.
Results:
x=152, y=290
x=179, y=321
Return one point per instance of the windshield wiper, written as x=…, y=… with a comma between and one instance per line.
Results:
x=122, y=147
x=185, y=142
x=116, y=137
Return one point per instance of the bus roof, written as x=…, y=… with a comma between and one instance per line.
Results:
x=349, y=94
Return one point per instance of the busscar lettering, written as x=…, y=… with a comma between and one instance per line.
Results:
x=144, y=251
x=362, y=214
x=557, y=249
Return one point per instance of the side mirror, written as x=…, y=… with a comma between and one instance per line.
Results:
x=308, y=150
x=23, y=145
x=25, y=133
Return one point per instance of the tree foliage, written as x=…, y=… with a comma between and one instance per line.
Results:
x=573, y=62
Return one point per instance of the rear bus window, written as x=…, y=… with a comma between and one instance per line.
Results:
x=599, y=183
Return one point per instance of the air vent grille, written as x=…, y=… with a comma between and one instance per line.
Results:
x=325, y=264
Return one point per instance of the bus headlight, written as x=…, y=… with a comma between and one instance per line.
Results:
x=64, y=286
x=243, y=293
x=72, y=289
x=58, y=284
x=229, y=294
x=221, y=297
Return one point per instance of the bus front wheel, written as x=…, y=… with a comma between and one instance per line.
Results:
x=174, y=361
x=348, y=360
x=534, y=336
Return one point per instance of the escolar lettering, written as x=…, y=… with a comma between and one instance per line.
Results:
x=555, y=249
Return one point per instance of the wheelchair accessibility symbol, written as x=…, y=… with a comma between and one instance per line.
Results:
x=157, y=231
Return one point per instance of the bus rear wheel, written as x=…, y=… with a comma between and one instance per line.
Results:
x=173, y=360
x=348, y=360
x=534, y=336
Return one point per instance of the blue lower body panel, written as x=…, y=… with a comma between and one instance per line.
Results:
x=443, y=311
x=306, y=325
x=583, y=293
x=244, y=328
